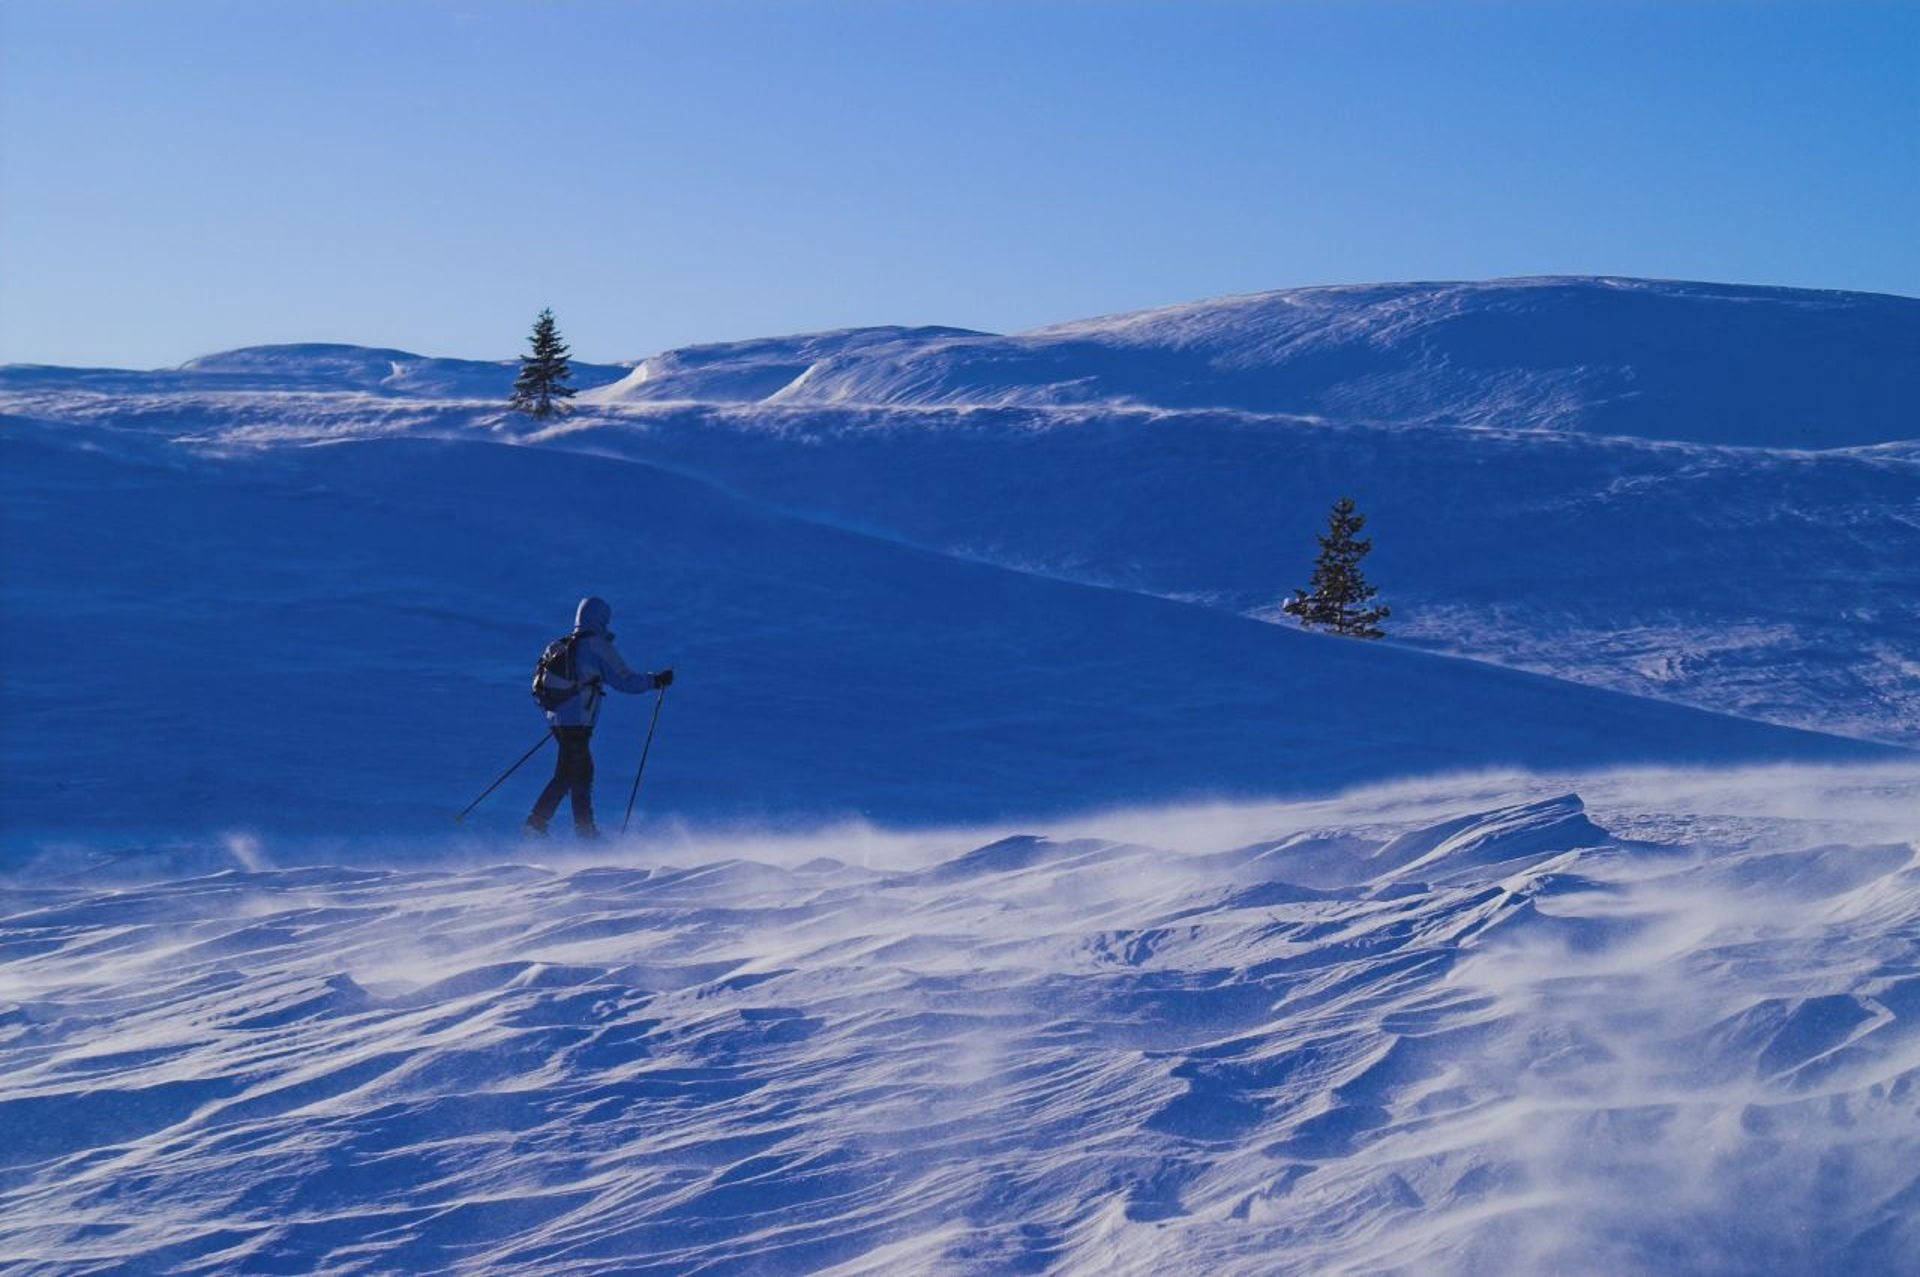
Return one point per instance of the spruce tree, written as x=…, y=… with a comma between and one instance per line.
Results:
x=541, y=389
x=1337, y=594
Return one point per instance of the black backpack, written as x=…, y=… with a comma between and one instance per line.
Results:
x=556, y=677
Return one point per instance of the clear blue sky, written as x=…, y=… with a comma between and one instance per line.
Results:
x=186, y=177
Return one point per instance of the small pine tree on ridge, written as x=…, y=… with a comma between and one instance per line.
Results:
x=541, y=389
x=1337, y=595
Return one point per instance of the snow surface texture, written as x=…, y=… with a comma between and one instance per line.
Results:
x=1469, y=1028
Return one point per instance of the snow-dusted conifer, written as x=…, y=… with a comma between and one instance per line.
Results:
x=1337, y=594
x=541, y=389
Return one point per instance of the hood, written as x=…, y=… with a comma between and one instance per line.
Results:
x=593, y=615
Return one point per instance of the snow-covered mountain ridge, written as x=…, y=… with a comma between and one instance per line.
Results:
x=327, y=367
x=1705, y=363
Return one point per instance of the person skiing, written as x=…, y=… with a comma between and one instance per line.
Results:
x=569, y=686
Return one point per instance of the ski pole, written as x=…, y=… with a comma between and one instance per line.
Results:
x=644, y=751
x=502, y=777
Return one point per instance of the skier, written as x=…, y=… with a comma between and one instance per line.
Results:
x=569, y=687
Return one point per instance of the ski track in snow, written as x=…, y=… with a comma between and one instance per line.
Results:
x=1461, y=1026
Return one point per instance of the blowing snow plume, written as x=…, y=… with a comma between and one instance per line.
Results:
x=1484, y=1026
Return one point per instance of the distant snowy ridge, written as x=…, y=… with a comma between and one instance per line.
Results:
x=307, y=367
x=1772, y=367
x=1655, y=359
x=768, y=369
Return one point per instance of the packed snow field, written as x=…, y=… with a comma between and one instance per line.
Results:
x=1475, y=1026
x=1010, y=891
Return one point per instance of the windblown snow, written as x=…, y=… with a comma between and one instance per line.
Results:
x=1467, y=1027
x=1013, y=889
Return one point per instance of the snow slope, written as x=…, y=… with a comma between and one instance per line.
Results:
x=339, y=637
x=1703, y=363
x=1213, y=947
x=750, y=371
x=1776, y=583
x=1471, y=1028
x=1781, y=585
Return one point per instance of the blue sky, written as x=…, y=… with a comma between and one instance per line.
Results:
x=187, y=177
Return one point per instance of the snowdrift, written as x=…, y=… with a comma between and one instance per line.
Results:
x=750, y=371
x=1669, y=1029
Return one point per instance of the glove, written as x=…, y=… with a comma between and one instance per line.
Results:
x=663, y=678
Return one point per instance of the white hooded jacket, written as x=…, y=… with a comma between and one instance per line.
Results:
x=597, y=665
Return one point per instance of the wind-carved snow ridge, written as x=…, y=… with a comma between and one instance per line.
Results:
x=1478, y=1027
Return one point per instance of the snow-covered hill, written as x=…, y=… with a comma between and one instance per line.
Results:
x=324, y=367
x=1482, y=1028
x=1256, y=951
x=1703, y=363
x=340, y=637
x=1776, y=583
x=1782, y=585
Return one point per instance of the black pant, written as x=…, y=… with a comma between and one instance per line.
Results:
x=572, y=773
